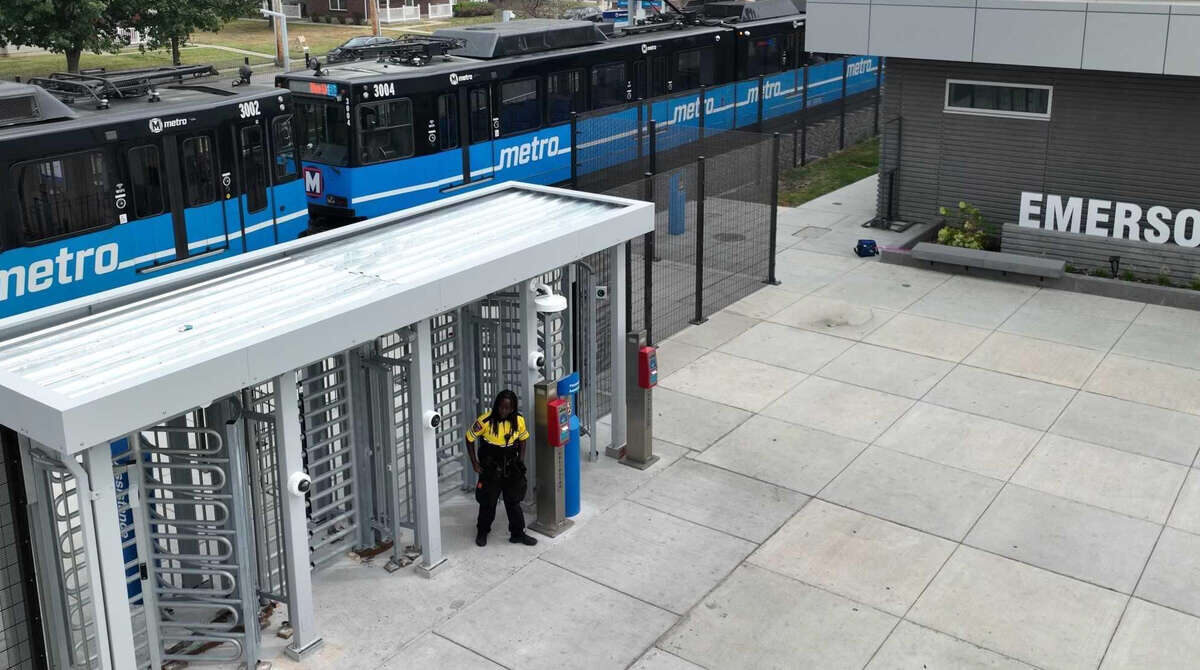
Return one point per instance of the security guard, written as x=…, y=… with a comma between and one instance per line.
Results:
x=500, y=465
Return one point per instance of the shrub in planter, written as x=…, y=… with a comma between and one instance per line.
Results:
x=464, y=9
x=356, y=18
x=315, y=18
x=966, y=229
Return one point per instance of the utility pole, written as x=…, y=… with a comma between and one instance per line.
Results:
x=281, y=40
x=373, y=14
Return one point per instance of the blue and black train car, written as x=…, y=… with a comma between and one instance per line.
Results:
x=110, y=177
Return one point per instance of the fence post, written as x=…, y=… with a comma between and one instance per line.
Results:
x=574, y=149
x=653, y=130
x=640, y=138
x=774, y=208
x=628, y=284
x=878, y=93
x=648, y=257
x=842, y=110
x=699, y=317
x=761, y=94
x=703, y=93
x=804, y=122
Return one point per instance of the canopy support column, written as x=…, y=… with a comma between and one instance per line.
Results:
x=290, y=450
x=111, y=590
x=424, y=451
x=529, y=374
x=616, y=292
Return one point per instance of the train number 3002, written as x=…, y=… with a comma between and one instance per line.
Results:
x=249, y=109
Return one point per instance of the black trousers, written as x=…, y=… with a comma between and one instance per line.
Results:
x=502, y=475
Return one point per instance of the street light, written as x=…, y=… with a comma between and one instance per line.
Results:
x=281, y=45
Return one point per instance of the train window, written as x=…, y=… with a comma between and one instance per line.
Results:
x=199, y=178
x=565, y=94
x=447, y=121
x=519, y=108
x=660, y=79
x=762, y=56
x=283, y=145
x=693, y=68
x=481, y=115
x=65, y=196
x=790, y=53
x=254, y=168
x=145, y=177
x=324, y=135
x=609, y=85
x=385, y=130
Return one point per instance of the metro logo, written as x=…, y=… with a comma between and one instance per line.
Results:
x=859, y=67
x=313, y=183
x=533, y=150
x=64, y=268
x=691, y=110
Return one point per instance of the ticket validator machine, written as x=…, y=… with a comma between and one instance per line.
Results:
x=641, y=376
x=553, y=416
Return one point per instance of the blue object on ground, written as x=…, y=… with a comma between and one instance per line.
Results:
x=677, y=207
x=866, y=248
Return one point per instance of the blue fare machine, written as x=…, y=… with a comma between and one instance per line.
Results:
x=568, y=389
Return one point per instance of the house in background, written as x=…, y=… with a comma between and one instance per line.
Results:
x=390, y=11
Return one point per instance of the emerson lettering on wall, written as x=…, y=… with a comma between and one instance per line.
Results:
x=1109, y=218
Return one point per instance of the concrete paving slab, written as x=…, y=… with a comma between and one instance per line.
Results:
x=1054, y=300
x=893, y=287
x=1147, y=382
x=1080, y=329
x=928, y=337
x=1165, y=345
x=433, y=651
x=1159, y=316
x=896, y=372
x=594, y=627
x=1052, y=362
x=1016, y=400
x=657, y=659
x=836, y=407
x=797, y=457
x=1115, y=480
x=975, y=302
x=763, y=303
x=866, y=559
x=692, y=422
x=674, y=355
x=632, y=549
x=716, y=498
x=1133, y=427
x=1172, y=576
x=758, y=619
x=719, y=329
x=605, y=481
x=1067, y=537
x=799, y=217
x=1186, y=514
x=1153, y=637
x=739, y=382
x=786, y=347
x=988, y=447
x=833, y=317
x=913, y=492
x=1020, y=611
x=911, y=646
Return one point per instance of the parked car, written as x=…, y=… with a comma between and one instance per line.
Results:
x=343, y=51
x=584, y=14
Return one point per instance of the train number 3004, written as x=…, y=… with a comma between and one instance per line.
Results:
x=249, y=109
x=385, y=90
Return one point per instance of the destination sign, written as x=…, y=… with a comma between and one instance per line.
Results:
x=313, y=88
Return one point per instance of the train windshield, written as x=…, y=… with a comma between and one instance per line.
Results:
x=324, y=135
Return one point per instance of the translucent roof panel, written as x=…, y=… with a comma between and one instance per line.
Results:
x=121, y=360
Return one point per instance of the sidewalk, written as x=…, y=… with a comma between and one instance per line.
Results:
x=866, y=466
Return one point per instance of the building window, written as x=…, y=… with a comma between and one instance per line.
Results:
x=65, y=196
x=609, y=85
x=566, y=94
x=385, y=130
x=146, y=181
x=338, y=5
x=693, y=68
x=989, y=98
x=519, y=108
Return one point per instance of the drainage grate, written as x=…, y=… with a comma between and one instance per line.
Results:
x=729, y=237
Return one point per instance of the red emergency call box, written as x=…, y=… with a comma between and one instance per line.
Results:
x=648, y=367
x=558, y=422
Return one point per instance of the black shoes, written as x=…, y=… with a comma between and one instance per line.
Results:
x=480, y=539
x=522, y=539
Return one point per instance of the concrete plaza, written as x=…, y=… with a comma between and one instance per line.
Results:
x=868, y=466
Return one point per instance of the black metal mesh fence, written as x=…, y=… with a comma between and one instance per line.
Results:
x=18, y=643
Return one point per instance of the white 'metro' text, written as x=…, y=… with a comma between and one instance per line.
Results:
x=66, y=267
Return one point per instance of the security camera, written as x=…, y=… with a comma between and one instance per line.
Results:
x=432, y=419
x=536, y=360
x=299, y=484
x=601, y=292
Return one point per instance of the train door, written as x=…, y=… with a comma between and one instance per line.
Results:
x=287, y=190
x=480, y=127
x=256, y=206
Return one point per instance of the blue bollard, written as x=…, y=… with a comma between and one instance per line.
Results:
x=677, y=208
x=568, y=387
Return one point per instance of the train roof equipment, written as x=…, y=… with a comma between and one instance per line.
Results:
x=516, y=38
x=23, y=103
x=407, y=50
x=741, y=11
x=102, y=86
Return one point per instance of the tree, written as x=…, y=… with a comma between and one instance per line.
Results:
x=63, y=26
x=171, y=22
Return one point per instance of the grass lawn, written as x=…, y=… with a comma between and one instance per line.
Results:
x=42, y=64
x=799, y=185
x=257, y=35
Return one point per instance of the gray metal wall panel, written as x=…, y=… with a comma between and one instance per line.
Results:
x=920, y=32
x=843, y=28
x=1029, y=37
x=1115, y=136
x=1183, y=45
x=1125, y=42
